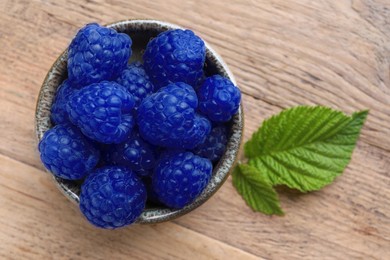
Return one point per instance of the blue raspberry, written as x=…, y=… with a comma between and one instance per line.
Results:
x=175, y=56
x=67, y=153
x=103, y=111
x=201, y=129
x=214, y=145
x=219, y=99
x=167, y=118
x=180, y=177
x=97, y=53
x=135, y=153
x=59, y=115
x=112, y=197
x=136, y=81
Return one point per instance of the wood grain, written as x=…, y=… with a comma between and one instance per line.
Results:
x=283, y=53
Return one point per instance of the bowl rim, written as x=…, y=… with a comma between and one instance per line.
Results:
x=220, y=172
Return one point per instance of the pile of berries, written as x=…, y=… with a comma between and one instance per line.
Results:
x=138, y=131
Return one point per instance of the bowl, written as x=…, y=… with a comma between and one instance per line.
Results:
x=141, y=31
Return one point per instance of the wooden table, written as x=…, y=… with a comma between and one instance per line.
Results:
x=283, y=53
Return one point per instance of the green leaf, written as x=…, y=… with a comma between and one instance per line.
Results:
x=304, y=147
x=257, y=193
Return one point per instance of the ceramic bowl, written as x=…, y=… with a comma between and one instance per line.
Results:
x=141, y=31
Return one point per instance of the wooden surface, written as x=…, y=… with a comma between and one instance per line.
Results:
x=283, y=53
